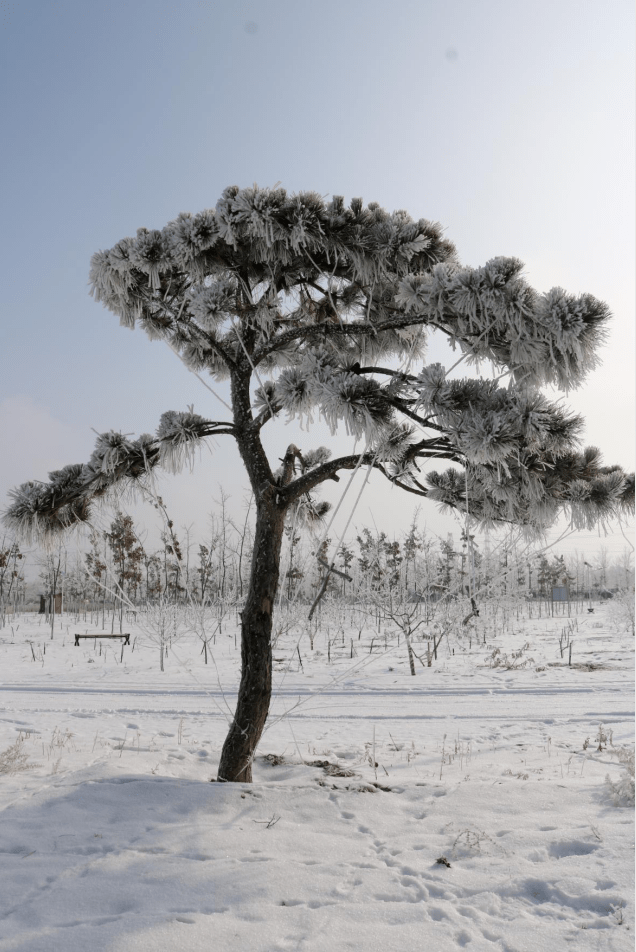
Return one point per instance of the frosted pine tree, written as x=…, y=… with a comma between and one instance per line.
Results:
x=311, y=307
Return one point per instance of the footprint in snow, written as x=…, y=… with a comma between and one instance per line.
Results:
x=570, y=848
x=436, y=913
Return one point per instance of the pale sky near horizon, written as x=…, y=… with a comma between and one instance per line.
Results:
x=510, y=123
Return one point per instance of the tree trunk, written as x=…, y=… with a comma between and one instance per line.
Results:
x=256, y=645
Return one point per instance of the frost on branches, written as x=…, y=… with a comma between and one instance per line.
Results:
x=315, y=308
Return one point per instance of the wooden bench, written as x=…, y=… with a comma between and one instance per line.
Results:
x=126, y=638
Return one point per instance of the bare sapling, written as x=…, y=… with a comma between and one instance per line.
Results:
x=165, y=622
x=205, y=622
x=404, y=615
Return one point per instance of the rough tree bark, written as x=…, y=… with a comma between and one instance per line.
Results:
x=255, y=689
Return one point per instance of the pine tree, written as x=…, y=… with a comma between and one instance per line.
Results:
x=127, y=554
x=394, y=560
x=205, y=569
x=96, y=567
x=412, y=544
x=293, y=574
x=10, y=556
x=446, y=564
x=372, y=558
x=311, y=306
x=346, y=558
x=154, y=588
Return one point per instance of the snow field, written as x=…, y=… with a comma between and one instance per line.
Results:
x=112, y=837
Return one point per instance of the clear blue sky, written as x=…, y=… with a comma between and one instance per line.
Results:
x=511, y=123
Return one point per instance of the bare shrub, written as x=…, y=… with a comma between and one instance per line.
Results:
x=14, y=759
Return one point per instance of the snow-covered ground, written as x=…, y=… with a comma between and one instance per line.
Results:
x=113, y=838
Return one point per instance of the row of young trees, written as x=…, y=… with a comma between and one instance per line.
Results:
x=117, y=568
x=435, y=567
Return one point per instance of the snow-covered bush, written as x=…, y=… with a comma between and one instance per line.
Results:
x=622, y=792
x=623, y=610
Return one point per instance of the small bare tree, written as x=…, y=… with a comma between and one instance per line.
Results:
x=205, y=621
x=164, y=622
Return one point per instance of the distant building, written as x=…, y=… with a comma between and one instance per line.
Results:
x=46, y=604
x=560, y=593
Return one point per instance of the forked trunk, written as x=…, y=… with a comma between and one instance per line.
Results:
x=255, y=689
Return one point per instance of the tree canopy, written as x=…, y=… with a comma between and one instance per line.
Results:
x=311, y=306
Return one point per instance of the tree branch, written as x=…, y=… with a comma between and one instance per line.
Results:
x=423, y=421
x=329, y=470
x=178, y=321
x=320, y=331
x=44, y=509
